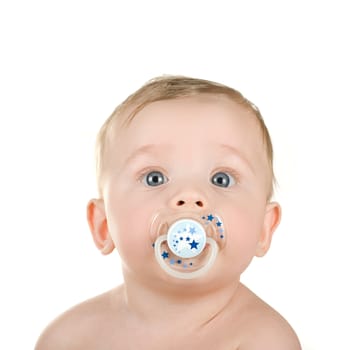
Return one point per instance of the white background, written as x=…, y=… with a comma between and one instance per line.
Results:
x=65, y=65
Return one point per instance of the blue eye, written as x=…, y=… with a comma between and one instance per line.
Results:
x=154, y=178
x=222, y=179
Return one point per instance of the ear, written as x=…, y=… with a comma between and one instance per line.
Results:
x=97, y=221
x=271, y=220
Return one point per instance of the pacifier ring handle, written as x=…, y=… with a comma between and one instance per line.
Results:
x=185, y=275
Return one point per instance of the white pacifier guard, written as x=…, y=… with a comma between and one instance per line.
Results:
x=187, y=248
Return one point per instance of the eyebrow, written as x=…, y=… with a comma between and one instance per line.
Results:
x=142, y=151
x=239, y=154
x=146, y=150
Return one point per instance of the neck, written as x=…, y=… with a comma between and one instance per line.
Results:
x=190, y=304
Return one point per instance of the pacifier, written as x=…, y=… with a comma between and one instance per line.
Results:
x=186, y=244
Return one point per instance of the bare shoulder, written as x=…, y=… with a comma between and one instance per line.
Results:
x=262, y=327
x=79, y=327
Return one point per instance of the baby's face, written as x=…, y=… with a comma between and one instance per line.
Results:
x=196, y=154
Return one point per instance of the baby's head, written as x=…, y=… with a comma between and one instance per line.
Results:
x=172, y=88
x=184, y=149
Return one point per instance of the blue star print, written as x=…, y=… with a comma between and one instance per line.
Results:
x=165, y=255
x=210, y=217
x=194, y=245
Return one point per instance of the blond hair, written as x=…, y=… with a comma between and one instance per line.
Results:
x=170, y=87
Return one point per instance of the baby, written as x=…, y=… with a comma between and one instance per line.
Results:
x=185, y=178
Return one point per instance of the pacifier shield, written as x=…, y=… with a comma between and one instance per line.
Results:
x=186, y=244
x=186, y=238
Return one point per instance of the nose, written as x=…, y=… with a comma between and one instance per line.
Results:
x=188, y=200
x=181, y=203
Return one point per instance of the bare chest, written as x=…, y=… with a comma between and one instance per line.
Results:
x=135, y=339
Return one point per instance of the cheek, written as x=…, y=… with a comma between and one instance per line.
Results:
x=244, y=226
x=129, y=221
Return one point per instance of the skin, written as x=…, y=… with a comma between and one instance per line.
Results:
x=188, y=140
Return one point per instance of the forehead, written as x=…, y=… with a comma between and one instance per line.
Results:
x=191, y=121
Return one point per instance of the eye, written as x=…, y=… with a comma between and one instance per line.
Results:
x=222, y=179
x=154, y=178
